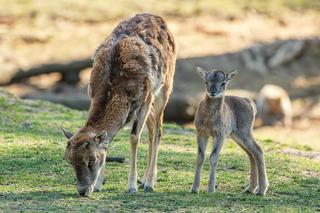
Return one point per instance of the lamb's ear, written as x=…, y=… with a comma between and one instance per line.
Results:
x=202, y=73
x=66, y=133
x=101, y=138
x=231, y=75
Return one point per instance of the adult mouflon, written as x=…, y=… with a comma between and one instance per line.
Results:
x=220, y=116
x=131, y=79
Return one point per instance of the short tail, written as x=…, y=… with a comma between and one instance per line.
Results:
x=254, y=107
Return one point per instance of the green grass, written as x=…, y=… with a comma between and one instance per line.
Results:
x=35, y=178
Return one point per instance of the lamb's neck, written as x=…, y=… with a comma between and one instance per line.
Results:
x=215, y=104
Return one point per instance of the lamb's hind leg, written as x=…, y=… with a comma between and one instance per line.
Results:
x=137, y=127
x=202, y=145
x=262, y=174
x=251, y=145
x=253, y=183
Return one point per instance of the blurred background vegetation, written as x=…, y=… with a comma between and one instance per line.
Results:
x=102, y=10
x=213, y=34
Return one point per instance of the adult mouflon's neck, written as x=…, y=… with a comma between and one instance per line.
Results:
x=109, y=116
x=215, y=104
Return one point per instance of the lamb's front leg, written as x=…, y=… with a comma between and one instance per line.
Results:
x=202, y=145
x=218, y=141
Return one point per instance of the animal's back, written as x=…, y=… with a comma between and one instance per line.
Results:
x=244, y=110
x=139, y=48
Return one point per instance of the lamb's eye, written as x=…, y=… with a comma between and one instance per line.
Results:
x=223, y=84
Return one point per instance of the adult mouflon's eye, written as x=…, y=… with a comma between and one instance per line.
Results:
x=92, y=161
x=223, y=84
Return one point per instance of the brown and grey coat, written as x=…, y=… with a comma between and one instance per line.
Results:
x=220, y=116
x=131, y=79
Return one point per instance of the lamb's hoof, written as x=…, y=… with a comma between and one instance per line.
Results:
x=211, y=190
x=97, y=190
x=141, y=186
x=148, y=189
x=132, y=191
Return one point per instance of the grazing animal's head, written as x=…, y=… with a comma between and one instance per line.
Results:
x=216, y=81
x=86, y=152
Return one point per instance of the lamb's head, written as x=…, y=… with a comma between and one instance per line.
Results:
x=86, y=152
x=216, y=81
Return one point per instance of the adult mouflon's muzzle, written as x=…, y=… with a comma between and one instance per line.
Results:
x=85, y=191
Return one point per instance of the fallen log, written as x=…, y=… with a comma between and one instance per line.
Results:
x=69, y=71
x=260, y=59
x=281, y=63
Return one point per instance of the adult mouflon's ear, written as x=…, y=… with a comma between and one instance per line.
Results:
x=101, y=137
x=66, y=133
x=202, y=72
x=231, y=75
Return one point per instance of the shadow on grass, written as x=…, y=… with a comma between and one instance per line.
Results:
x=278, y=197
x=175, y=200
x=35, y=196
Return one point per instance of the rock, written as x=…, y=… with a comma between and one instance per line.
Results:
x=182, y=107
x=274, y=106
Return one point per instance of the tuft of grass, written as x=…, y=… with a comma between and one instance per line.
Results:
x=35, y=178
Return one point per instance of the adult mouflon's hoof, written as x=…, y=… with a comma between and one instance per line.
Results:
x=262, y=191
x=148, y=189
x=250, y=190
x=132, y=191
x=194, y=191
x=141, y=186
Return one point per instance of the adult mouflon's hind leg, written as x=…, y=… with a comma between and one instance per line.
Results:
x=202, y=145
x=152, y=171
x=137, y=127
x=157, y=110
x=151, y=127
